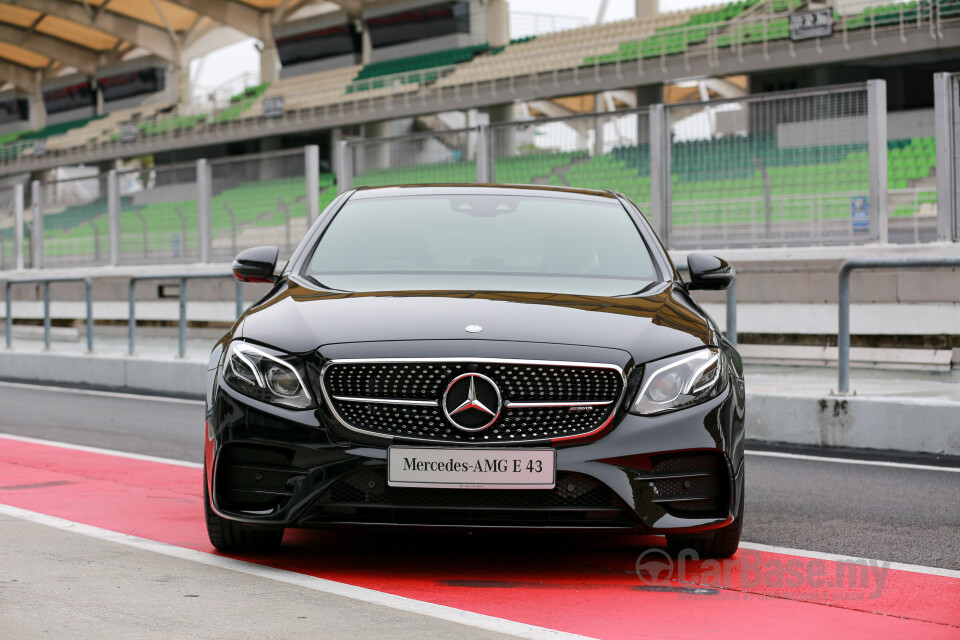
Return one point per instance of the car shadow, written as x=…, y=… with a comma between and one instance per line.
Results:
x=478, y=558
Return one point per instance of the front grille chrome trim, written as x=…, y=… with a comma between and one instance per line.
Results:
x=550, y=405
x=677, y=475
x=659, y=500
x=409, y=403
x=470, y=360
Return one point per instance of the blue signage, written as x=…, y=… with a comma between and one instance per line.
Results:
x=860, y=213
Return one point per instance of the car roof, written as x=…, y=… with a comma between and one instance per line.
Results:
x=528, y=190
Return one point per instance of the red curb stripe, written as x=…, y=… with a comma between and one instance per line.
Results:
x=576, y=583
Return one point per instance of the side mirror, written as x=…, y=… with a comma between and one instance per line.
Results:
x=256, y=264
x=709, y=272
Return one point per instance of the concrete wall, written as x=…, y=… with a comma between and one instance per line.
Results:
x=900, y=424
x=914, y=424
x=164, y=376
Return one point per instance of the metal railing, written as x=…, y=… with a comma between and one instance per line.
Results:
x=856, y=264
x=182, y=278
x=88, y=287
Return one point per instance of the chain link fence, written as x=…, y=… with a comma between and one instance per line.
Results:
x=158, y=214
x=75, y=225
x=259, y=199
x=427, y=157
x=770, y=170
x=607, y=150
x=791, y=168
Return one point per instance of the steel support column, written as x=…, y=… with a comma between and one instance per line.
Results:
x=485, y=172
x=877, y=154
x=946, y=105
x=311, y=167
x=344, y=166
x=660, y=171
x=203, y=208
x=36, y=234
x=18, y=226
x=113, y=216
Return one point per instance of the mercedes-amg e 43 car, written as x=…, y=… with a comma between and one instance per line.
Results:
x=477, y=356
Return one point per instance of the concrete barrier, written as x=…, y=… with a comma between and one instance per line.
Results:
x=786, y=404
x=163, y=376
x=928, y=425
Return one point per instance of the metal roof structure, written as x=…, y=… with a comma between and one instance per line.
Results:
x=41, y=39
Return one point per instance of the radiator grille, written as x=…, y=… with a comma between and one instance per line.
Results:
x=403, y=399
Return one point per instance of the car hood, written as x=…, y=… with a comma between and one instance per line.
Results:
x=300, y=319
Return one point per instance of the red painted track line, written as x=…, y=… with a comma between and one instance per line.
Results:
x=576, y=583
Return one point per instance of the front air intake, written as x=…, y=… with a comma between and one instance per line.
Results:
x=690, y=485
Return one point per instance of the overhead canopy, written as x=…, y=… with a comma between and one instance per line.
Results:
x=61, y=36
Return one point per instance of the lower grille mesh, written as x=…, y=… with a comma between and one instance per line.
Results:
x=577, y=500
x=370, y=486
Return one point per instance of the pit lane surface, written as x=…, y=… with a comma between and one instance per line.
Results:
x=576, y=583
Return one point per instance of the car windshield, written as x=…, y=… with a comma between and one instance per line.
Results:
x=483, y=243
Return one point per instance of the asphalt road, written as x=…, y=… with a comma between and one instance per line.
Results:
x=864, y=510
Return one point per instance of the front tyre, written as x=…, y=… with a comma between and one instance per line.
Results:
x=228, y=535
x=719, y=543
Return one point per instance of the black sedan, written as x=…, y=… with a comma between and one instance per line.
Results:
x=477, y=356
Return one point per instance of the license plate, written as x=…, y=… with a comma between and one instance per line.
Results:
x=476, y=468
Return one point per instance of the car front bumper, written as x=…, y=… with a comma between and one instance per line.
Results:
x=270, y=466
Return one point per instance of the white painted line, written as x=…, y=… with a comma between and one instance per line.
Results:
x=936, y=571
x=102, y=394
x=409, y=605
x=106, y=452
x=898, y=566
x=874, y=463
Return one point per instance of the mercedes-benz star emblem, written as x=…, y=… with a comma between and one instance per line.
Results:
x=473, y=328
x=472, y=402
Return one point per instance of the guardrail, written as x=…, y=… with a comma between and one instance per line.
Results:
x=848, y=267
x=183, y=278
x=731, y=307
x=88, y=286
x=182, y=325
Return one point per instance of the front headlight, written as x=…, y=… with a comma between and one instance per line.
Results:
x=678, y=382
x=267, y=377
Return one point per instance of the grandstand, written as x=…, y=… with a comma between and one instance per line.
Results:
x=419, y=73
x=702, y=33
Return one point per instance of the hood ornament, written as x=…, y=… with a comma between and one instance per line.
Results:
x=473, y=328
